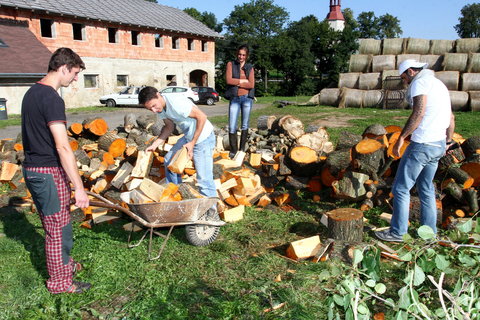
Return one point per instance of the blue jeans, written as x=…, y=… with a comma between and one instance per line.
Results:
x=417, y=166
x=243, y=103
x=203, y=161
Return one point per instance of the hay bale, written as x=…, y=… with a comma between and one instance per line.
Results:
x=420, y=46
x=455, y=62
x=459, y=100
x=360, y=63
x=391, y=83
x=474, y=100
x=372, y=98
x=351, y=98
x=468, y=45
x=403, y=57
x=383, y=62
x=314, y=100
x=370, y=46
x=393, y=46
x=329, y=97
x=348, y=80
x=442, y=46
x=434, y=61
x=370, y=81
x=449, y=78
x=470, y=81
x=473, y=62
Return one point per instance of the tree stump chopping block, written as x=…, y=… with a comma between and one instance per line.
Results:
x=345, y=224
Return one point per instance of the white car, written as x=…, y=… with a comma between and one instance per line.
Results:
x=185, y=91
x=127, y=96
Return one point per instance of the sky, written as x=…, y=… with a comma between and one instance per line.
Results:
x=427, y=19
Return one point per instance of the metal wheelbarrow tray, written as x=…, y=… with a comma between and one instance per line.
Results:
x=201, y=224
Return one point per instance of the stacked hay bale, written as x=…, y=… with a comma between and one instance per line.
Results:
x=455, y=62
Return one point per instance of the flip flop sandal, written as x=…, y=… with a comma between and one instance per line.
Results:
x=79, y=287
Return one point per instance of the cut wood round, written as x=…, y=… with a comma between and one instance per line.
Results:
x=304, y=161
x=391, y=143
x=442, y=46
x=349, y=80
x=435, y=62
x=450, y=79
x=265, y=122
x=291, y=125
x=473, y=170
x=383, y=62
x=471, y=145
x=466, y=45
x=96, y=126
x=345, y=224
x=367, y=146
x=455, y=62
x=106, y=158
x=370, y=46
x=393, y=128
x=112, y=143
x=461, y=177
x=329, y=97
x=313, y=140
x=393, y=46
x=474, y=101
x=360, y=63
x=75, y=129
x=370, y=81
x=470, y=82
x=129, y=122
x=459, y=100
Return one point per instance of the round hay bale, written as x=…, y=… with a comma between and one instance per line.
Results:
x=434, y=61
x=449, y=78
x=351, y=98
x=393, y=46
x=370, y=46
x=459, y=100
x=394, y=82
x=348, y=80
x=420, y=46
x=403, y=57
x=315, y=99
x=470, y=81
x=455, y=62
x=370, y=81
x=360, y=63
x=473, y=63
x=372, y=98
x=329, y=97
x=468, y=45
x=474, y=99
x=383, y=62
x=442, y=46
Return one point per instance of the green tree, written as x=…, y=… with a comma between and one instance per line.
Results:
x=207, y=18
x=256, y=23
x=469, y=22
x=389, y=26
x=385, y=26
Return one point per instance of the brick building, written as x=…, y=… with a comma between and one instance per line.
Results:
x=123, y=42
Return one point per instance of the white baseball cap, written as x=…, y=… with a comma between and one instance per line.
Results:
x=410, y=63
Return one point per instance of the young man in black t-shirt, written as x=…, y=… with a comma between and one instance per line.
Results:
x=50, y=166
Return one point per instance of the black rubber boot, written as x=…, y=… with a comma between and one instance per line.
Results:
x=243, y=140
x=232, y=139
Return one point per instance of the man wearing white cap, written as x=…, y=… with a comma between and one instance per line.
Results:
x=431, y=126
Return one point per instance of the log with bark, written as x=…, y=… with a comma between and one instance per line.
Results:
x=112, y=143
x=96, y=126
x=351, y=186
x=471, y=146
x=345, y=224
x=304, y=161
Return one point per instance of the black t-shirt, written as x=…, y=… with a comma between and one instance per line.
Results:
x=41, y=107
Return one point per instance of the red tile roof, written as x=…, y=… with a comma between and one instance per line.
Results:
x=23, y=52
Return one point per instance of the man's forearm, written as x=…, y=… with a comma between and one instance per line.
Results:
x=69, y=164
x=451, y=128
x=419, y=105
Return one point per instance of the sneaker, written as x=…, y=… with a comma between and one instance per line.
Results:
x=79, y=287
x=387, y=235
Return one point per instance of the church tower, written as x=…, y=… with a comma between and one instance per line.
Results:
x=335, y=17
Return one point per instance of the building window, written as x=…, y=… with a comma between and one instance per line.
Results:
x=78, y=31
x=175, y=43
x=112, y=35
x=90, y=80
x=3, y=44
x=47, y=29
x=191, y=44
x=204, y=46
x=158, y=41
x=122, y=80
x=135, y=38
x=171, y=80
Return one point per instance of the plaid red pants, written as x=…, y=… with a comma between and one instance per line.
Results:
x=51, y=194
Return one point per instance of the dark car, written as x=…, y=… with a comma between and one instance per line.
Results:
x=206, y=95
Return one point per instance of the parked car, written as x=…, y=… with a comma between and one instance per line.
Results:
x=127, y=96
x=207, y=95
x=187, y=92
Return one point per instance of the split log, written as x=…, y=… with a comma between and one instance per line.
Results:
x=8, y=156
x=122, y=176
x=75, y=129
x=345, y=224
x=304, y=248
x=143, y=164
x=473, y=170
x=112, y=143
x=82, y=157
x=179, y=161
x=188, y=191
x=471, y=145
x=8, y=171
x=283, y=168
x=129, y=122
x=95, y=126
x=291, y=125
x=461, y=177
x=351, y=186
x=265, y=122
x=347, y=140
x=264, y=201
x=234, y=214
x=304, y=161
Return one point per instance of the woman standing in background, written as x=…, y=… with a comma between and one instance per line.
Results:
x=240, y=91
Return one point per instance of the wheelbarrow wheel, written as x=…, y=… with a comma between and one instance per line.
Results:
x=202, y=235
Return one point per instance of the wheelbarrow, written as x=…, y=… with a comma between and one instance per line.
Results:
x=202, y=225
